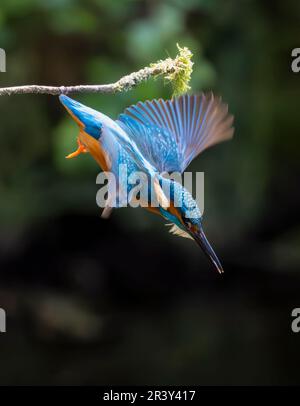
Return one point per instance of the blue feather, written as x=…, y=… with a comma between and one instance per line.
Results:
x=186, y=126
x=89, y=119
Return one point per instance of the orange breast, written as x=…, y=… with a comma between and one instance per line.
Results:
x=95, y=149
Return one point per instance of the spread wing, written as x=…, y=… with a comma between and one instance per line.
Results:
x=155, y=143
x=171, y=133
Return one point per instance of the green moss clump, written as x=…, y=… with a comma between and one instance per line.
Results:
x=177, y=71
x=181, y=77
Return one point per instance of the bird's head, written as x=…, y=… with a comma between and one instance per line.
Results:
x=186, y=219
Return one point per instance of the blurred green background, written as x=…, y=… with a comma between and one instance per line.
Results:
x=121, y=301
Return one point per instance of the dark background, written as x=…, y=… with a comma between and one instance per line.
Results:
x=122, y=301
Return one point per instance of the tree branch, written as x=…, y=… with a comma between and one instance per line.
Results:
x=176, y=70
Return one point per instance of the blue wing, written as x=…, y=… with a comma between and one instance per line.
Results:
x=171, y=133
x=155, y=143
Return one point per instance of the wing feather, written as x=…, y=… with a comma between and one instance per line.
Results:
x=189, y=124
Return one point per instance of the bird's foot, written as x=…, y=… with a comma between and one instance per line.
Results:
x=81, y=149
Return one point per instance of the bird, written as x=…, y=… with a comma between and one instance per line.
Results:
x=156, y=137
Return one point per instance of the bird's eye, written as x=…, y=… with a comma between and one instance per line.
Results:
x=188, y=224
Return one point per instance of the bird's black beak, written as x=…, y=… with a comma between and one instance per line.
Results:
x=201, y=240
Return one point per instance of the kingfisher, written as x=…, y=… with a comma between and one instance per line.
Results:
x=156, y=138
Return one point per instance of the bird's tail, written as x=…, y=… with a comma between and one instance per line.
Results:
x=88, y=119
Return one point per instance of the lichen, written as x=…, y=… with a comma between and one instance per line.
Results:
x=176, y=71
